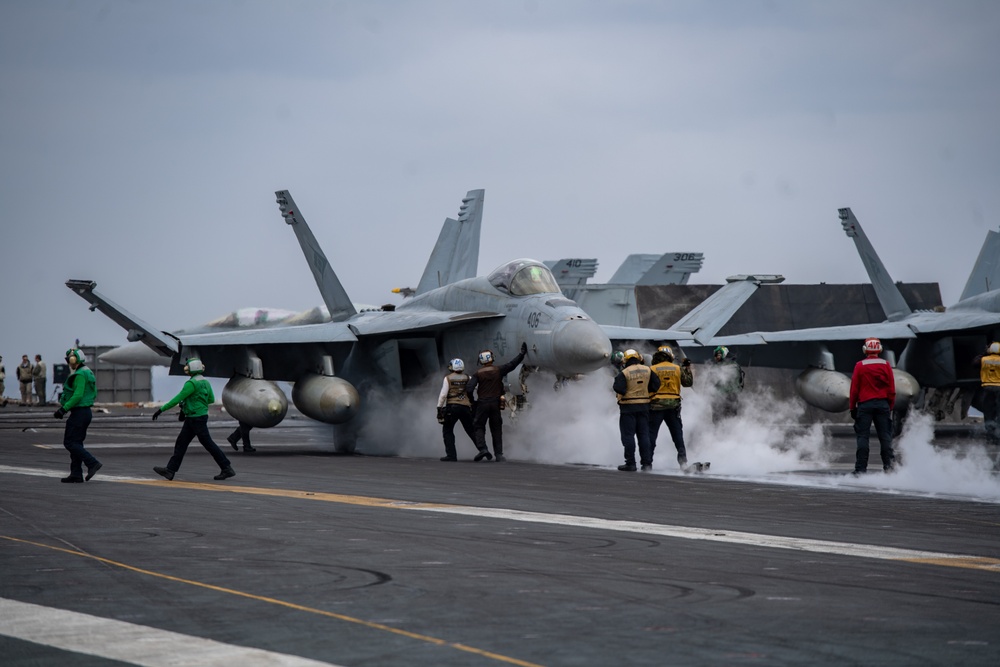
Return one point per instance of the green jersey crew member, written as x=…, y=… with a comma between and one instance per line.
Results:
x=194, y=398
x=79, y=392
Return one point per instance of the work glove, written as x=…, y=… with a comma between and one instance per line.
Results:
x=686, y=362
x=156, y=415
x=440, y=415
x=58, y=414
x=524, y=348
x=854, y=413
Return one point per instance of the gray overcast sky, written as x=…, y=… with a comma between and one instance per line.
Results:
x=142, y=142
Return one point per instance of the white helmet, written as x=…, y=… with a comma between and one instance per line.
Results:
x=485, y=357
x=872, y=346
x=456, y=365
x=994, y=348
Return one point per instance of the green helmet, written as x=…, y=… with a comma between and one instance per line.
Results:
x=618, y=357
x=724, y=351
x=81, y=358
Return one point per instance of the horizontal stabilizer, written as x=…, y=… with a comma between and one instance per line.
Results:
x=333, y=293
x=137, y=329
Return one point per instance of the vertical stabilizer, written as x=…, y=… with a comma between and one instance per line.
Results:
x=985, y=275
x=673, y=268
x=456, y=254
x=888, y=294
x=573, y=270
x=633, y=268
x=333, y=293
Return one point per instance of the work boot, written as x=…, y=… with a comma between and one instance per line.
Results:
x=247, y=449
x=627, y=467
x=500, y=458
x=72, y=479
x=234, y=439
x=448, y=458
x=92, y=470
x=226, y=473
x=646, y=466
x=483, y=454
x=163, y=472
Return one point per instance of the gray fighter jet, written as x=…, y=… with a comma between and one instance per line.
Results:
x=930, y=350
x=337, y=366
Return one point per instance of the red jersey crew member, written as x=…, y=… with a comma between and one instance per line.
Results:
x=873, y=396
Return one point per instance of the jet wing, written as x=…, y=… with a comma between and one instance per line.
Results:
x=138, y=330
x=365, y=324
x=884, y=330
x=655, y=335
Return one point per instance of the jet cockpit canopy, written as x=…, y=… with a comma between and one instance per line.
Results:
x=523, y=277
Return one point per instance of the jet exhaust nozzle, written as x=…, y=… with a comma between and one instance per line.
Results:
x=259, y=403
x=328, y=399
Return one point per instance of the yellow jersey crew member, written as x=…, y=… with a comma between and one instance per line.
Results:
x=665, y=405
x=634, y=386
x=194, y=398
x=989, y=378
x=79, y=392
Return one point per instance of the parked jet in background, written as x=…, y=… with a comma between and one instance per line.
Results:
x=614, y=302
x=935, y=350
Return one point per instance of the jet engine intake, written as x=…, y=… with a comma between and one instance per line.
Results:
x=258, y=403
x=325, y=398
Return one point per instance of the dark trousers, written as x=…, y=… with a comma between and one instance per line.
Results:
x=195, y=427
x=672, y=417
x=991, y=414
x=73, y=437
x=452, y=415
x=634, y=425
x=876, y=411
x=488, y=410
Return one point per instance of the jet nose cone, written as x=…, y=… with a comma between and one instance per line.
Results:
x=580, y=346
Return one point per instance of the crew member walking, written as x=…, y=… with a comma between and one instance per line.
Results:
x=873, y=395
x=194, y=398
x=727, y=378
x=665, y=405
x=454, y=406
x=488, y=380
x=79, y=392
x=634, y=386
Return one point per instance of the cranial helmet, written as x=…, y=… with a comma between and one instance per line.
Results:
x=485, y=357
x=456, y=365
x=667, y=350
x=194, y=365
x=723, y=350
x=81, y=358
x=872, y=346
x=994, y=348
x=631, y=354
x=618, y=357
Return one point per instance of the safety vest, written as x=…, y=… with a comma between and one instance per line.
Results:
x=637, y=391
x=989, y=371
x=670, y=380
x=456, y=389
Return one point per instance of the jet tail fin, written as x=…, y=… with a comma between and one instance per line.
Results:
x=673, y=268
x=709, y=316
x=572, y=271
x=985, y=275
x=888, y=294
x=633, y=268
x=137, y=329
x=333, y=293
x=456, y=254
